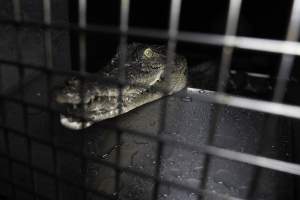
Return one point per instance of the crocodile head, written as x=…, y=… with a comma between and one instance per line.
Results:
x=144, y=69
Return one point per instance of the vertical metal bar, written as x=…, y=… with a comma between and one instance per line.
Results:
x=49, y=64
x=124, y=21
x=17, y=10
x=6, y=139
x=17, y=18
x=48, y=41
x=231, y=29
x=174, y=17
x=124, y=26
x=21, y=70
x=82, y=10
x=285, y=67
x=82, y=22
x=227, y=52
x=287, y=61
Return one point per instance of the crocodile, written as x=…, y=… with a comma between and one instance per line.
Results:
x=146, y=81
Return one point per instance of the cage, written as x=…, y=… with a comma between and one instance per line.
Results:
x=229, y=134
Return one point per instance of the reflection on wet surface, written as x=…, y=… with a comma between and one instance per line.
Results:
x=187, y=122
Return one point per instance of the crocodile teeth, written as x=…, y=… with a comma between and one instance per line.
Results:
x=73, y=124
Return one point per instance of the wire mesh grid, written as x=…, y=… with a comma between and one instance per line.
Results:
x=288, y=48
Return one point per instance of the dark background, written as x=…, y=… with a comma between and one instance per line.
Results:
x=259, y=19
x=263, y=19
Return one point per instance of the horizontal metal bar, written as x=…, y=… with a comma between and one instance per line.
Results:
x=248, y=43
x=260, y=161
x=281, y=109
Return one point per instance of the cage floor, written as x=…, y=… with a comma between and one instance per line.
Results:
x=187, y=120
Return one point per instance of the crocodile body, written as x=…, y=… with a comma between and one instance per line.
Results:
x=144, y=68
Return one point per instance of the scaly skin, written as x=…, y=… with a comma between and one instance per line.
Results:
x=145, y=65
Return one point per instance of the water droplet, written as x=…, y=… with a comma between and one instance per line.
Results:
x=191, y=195
x=115, y=193
x=197, y=168
x=187, y=99
x=147, y=155
x=165, y=195
x=172, y=162
x=170, y=133
x=154, y=162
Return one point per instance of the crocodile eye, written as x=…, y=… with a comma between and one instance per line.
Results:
x=148, y=53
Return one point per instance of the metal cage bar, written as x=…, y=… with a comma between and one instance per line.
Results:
x=287, y=61
x=175, y=8
x=82, y=23
x=123, y=28
x=6, y=139
x=21, y=83
x=285, y=67
x=226, y=57
x=47, y=19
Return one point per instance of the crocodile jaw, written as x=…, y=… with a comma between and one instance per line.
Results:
x=74, y=124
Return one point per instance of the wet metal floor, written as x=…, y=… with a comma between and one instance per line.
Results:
x=187, y=120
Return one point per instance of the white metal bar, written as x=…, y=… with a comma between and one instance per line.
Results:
x=48, y=37
x=124, y=17
x=124, y=21
x=17, y=10
x=171, y=48
x=82, y=11
x=172, y=33
x=174, y=18
x=47, y=11
x=287, y=61
x=231, y=28
x=249, y=43
x=260, y=161
x=227, y=52
x=250, y=104
x=241, y=42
